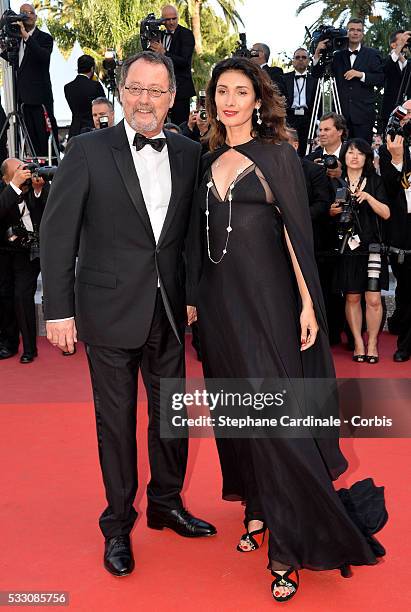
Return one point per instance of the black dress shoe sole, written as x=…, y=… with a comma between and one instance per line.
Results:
x=160, y=525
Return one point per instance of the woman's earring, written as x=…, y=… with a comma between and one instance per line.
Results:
x=259, y=120
x=217, y=118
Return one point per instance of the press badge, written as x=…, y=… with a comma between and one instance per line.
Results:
x=354, y=242
x=299, y=111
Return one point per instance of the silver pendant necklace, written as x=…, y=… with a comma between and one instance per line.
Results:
x=229, y=229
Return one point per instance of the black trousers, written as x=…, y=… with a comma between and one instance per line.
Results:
x=9, y=331
x=114, y=374
x=36, y=127
x=403, y=306
x=301, y=123
x=180, y=111
x=363, y=130
x=24, y=274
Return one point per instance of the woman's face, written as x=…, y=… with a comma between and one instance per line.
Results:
x=235, y=99
x=354, y=159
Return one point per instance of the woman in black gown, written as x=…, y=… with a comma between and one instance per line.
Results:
x=253, y=279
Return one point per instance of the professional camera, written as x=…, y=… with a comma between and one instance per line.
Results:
x=202, y=113
x=241, y=48
x=394, y=127
x=330, y=162
x=150, y=30
x=103, y=122
x=348, y=222
x=375, y=251
x=110, y=65
x=45, y=172
x=337, y=40
x=19, y=237
x=10, y=34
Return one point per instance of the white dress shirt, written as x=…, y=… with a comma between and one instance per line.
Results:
x=22, y=47
x=24, y=211
x=353, y=57
x=300, y=100
x=396, y=58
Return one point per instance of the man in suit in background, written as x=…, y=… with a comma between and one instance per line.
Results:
x=358, y=72
x=275, y=73
x=396, y=67
x=128, y=222
x=33, y=81
x=178, y=44
x=300, y=92
x=80, y=94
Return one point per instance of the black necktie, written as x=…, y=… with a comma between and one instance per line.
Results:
x=300, y=76
x=141, y=141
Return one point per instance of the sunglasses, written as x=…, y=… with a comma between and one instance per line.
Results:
x=300, y=56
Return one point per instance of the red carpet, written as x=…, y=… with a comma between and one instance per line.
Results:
x=51, y=495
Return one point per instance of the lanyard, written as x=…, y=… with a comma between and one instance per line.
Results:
x=300, y=91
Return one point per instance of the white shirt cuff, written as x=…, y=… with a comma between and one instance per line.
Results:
x=362, y=79
x=16, y=189
x=398, y=166
x=59, y=320
x=315, y=60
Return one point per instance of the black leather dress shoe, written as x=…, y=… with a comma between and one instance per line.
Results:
x=67, y=353
x=400, y=356
x=28, y=357
x=180, y=521
x=6, y=353
x=118, y=556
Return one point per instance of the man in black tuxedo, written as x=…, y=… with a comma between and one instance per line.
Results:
x=300, y=92
x=22, y=203
x=33, y=81
x=358, y=72
x=275, y=73
x=395, y=166
x=127, y=221
x=80, y=94
x=178, y=44
x=396, y=67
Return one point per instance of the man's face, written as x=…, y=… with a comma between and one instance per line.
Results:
x=301, y=60
x=329, y=136
x=260, y=59
x=170, y=13
x=146, y=114
x=28, y=10
x=102, y=110
x=355, y=33
x=12, y=166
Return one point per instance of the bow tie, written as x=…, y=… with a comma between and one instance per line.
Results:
x=20, y=198
x=300, y=76
x=356, y=52
x=141, y=141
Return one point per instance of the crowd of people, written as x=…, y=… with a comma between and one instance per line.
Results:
x=210, y=217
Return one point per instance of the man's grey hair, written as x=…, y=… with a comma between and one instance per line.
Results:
x=103, y=100
x=265, y=49
x=151, y=58
x=293, y=134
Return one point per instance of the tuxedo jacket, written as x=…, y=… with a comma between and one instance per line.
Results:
x=276, y=74
x=33, y=75
x=310, y=88
x=392, y=81
x=79, y=95
x=10, y=211
x=96, y=209
x=357, y=99
x=320, y=199
x=181, y=53
x=399, y=223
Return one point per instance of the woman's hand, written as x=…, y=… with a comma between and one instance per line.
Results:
x=363, y=196
x=191, y=314
x=309, y=327
x=335, y=209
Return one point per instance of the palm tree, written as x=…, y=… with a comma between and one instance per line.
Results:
x=336, y=9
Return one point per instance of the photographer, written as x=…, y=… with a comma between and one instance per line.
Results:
x=275, y=73
x=178, y=44
x=198, y=124
x=395, y=68
x=33, y=80
x=332, y=132
x=360, y=221
x=358, y=71
x=300, y=92
x=102, y=111
x=80, y=94
x=22, y=204
x=395, y=165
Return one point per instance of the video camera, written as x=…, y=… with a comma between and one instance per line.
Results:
x=348, y=222
x=150, y=30
x=241, y=48
x=10, y=34
x=337, y=40
x=394, y=127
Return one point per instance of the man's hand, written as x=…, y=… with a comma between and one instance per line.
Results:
x=20, y=176
x=402, y=40
x=38, y=184
x=396, y=148
x=320, y=47
x=192, y=120
x=191, y=314
x=62, y=334
x=157, y=47
x=23, y=31
x=335, y=172
x=203, y=125
x=352, y=74
x=335, y=209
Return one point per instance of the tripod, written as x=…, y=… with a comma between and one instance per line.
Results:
x=326, y=96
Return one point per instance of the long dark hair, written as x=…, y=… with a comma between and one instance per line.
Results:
x=364, y=148
x=272, y=110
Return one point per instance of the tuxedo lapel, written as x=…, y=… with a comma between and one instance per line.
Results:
x=290, y=87
x=175, y=157
x=124, y=161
